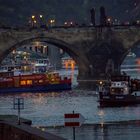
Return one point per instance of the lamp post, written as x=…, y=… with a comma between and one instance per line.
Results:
x=52, y=22
x=41, y=16
x=41, y=20
x=37, y=20
x=33, y=20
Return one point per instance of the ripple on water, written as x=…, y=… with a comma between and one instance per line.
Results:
x=49, y=108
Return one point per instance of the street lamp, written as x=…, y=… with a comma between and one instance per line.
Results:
x=109, y=21
x=33, y=17
x=52, y=22
x=33, y=21
x=41, y=16
x=41, y=19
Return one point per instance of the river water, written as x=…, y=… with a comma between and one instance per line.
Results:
x=48, y=109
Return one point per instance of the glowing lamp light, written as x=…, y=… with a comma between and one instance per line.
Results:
x=35, y=21
x=100, y=82
x=33, y=17
x=71, y=22
x=66, y=65
x=109, y=19
x=52, y=21
x=72, y=65
x=41, y=16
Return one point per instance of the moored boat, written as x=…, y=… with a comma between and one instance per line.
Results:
x=10, y=83
x=121, y=91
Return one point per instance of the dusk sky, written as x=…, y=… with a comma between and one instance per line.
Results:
x=19, y=11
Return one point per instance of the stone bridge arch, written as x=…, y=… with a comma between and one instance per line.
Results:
x=81, y=43
x=135, y=44
x=80, y=60
x=58, y=43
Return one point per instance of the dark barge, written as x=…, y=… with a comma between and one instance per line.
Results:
x=121, y=91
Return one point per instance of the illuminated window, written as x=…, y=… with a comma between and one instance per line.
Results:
x=29, y=82
x=52, y=79
x=40, y=81
x=23, y=82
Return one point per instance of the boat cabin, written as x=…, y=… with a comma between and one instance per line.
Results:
x=119, y=88
x=120, y=92
x=120, y=85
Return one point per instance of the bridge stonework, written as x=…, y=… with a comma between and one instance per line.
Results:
x=98, y=51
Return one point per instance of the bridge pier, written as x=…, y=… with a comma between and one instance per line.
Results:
x=99, y=70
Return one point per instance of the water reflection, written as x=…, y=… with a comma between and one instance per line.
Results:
x=116, y=131
x=101, y=113
x=48, y=109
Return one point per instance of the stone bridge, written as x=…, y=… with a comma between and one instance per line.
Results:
x=98, y=51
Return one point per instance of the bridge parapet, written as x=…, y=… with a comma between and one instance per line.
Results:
x=91, y=47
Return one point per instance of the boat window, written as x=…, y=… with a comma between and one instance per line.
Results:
x=23, y=82
x=52, y=79
x=116, y=90
x=40, y=81
x=29, y=82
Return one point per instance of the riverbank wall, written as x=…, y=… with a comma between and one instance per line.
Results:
x=13, y=131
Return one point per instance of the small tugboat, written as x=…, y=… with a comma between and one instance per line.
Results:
x=121, y=91
x=35, y=82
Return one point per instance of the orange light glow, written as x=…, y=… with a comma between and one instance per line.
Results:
x=138, y=61
x=40, y=81
x=22, y=82
x=66, y=65
x=72, y=64
x=29, y=82
x=33, y=16
x=69, y=64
